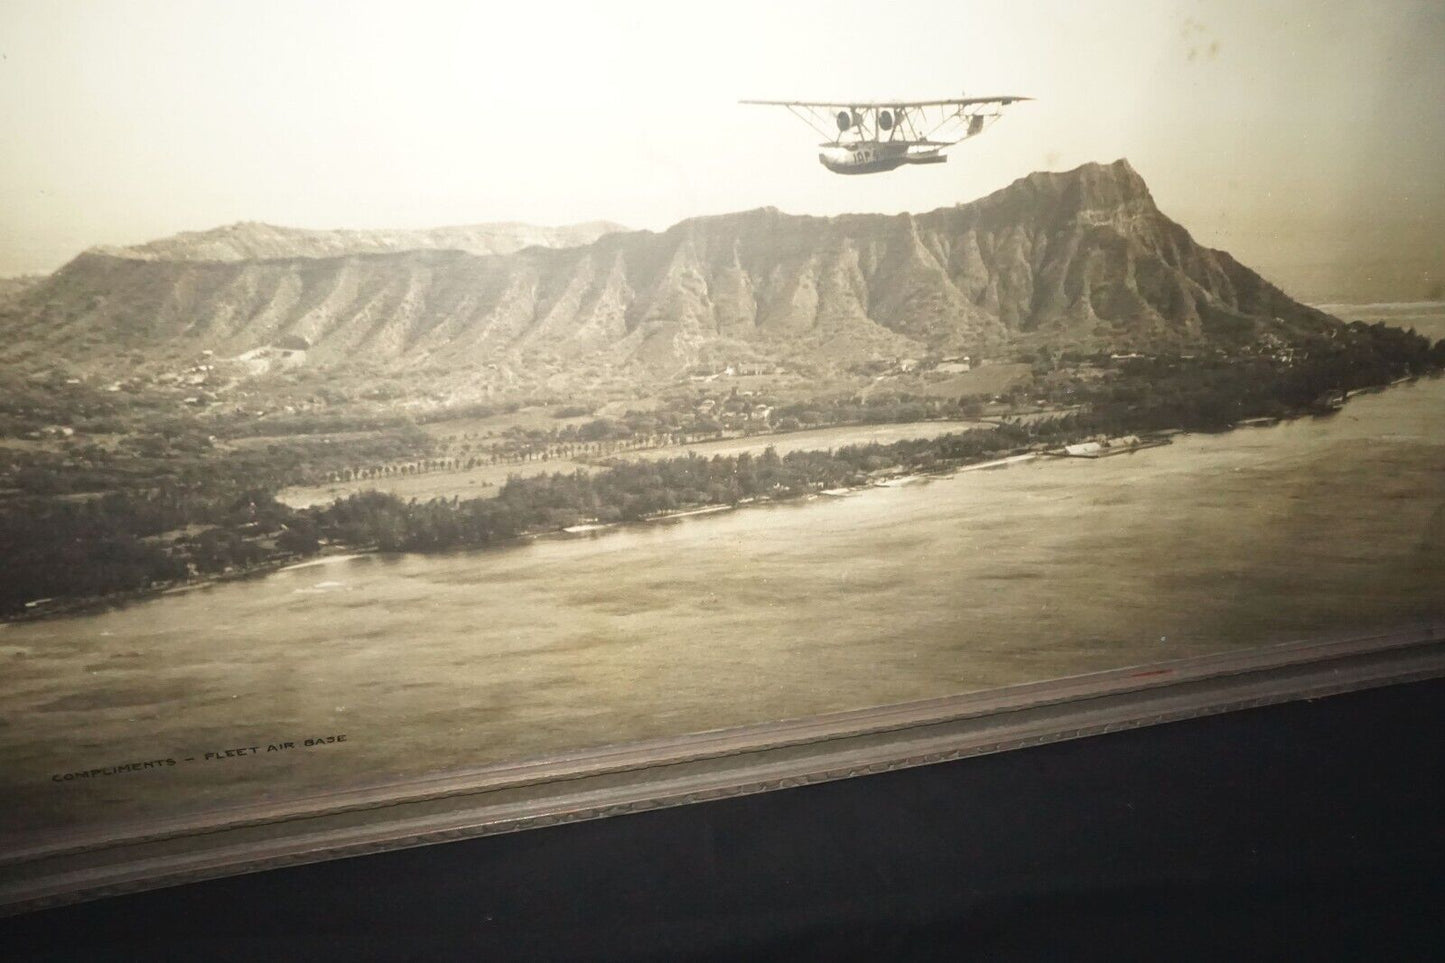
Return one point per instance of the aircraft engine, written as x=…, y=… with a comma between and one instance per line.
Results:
x=845, y=120
x=885, y=120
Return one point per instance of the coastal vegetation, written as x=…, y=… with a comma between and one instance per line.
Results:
x=161, y=507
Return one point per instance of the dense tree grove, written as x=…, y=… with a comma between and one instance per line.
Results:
x=125, y=541
x=636, y=490
x=186, y=460
x=1211, y=394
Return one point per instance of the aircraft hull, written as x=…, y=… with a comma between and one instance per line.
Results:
x=872, y=158
x=864, y=167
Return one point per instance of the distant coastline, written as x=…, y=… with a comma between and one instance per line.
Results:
x=1377, y=305
x=61, y=608
x=158, y=525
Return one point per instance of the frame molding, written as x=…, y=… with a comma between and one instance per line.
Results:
x=623, y=779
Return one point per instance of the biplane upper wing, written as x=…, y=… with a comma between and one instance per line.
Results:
x=1004, y=99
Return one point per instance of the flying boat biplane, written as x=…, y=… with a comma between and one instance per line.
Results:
x=884, y=135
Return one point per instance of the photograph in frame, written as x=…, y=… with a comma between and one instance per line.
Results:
x=524, y=413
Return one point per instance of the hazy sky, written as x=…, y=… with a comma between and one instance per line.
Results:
x=1287, y=132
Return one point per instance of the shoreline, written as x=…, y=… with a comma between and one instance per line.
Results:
x=329, y=554
x=62, y=608
x=903, y=476
x=89, y=605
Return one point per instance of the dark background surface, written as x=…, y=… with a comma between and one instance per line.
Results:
x=1312, y=830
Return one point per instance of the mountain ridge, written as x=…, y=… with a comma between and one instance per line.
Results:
x=258, y=240
x=1081, y=258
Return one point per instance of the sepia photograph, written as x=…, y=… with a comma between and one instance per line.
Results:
x=429, y=420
